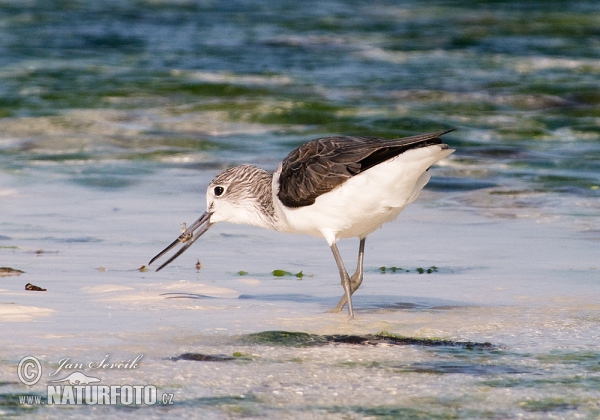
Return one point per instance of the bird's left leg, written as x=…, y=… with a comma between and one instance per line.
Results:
x=356, y=279
x=344, y=277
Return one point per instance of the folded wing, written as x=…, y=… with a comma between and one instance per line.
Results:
x=321, y=165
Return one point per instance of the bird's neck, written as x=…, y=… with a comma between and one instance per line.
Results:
x=265, y=209
x=259, y=210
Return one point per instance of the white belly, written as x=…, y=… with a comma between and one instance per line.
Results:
x=366, y=201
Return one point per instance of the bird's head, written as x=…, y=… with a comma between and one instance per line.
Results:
x=241, y=194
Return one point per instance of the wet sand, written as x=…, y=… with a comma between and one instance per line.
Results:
x=526, y=286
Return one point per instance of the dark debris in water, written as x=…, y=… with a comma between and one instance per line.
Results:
x=200, y=357
x=375, y=339
x=34, y=288
x=285, y=338
x=301, y=339
x=420, y=270
x=9, y=271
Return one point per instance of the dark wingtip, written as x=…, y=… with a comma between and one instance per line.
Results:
x=436, y=137
x=447, y=131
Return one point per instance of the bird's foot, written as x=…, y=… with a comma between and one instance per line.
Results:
x=355, y=282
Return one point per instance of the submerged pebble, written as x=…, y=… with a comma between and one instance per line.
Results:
x=34, y=288
x=9, y=271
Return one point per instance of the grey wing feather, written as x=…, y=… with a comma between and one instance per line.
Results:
x=321, y=165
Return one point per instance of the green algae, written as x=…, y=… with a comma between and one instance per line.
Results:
x=302, y=339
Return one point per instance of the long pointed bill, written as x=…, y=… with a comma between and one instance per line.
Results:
x=187, y=238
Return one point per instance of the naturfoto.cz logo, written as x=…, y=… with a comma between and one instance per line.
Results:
x=78, y=388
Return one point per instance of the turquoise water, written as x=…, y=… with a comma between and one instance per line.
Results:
x=140, y=81
x=115, y=115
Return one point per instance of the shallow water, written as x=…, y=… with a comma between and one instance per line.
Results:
x=115, y=116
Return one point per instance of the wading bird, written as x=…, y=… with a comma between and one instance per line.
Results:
x=332, y=187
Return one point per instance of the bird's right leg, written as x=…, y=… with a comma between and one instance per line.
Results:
x=344, y=277
x=356, y=279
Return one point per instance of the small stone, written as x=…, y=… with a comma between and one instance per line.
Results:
x=9, y=271
x=34, y=288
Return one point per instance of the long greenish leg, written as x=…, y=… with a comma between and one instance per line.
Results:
x=344, y=278
x=356, y=279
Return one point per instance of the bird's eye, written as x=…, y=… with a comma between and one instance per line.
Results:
x=219, y=190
